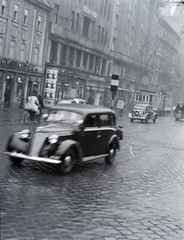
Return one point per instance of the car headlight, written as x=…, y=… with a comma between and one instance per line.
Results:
x=53, y=139
x=24, y=134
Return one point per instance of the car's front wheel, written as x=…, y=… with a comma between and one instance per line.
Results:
x=111, y=154
x=131, y=120
x=16, y=160
x=67, y=162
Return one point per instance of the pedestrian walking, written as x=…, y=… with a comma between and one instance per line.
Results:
x=7, y=96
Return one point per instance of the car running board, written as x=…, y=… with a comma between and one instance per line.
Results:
x=37, y=159
x=85, y=159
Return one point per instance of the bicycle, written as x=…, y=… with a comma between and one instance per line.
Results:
x=27, y=120
x=120, y=113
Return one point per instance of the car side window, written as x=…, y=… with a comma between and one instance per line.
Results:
x=90, y=121
x=104, y=120
x=112, y=120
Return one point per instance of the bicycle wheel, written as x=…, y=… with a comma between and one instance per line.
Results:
x=26, y=118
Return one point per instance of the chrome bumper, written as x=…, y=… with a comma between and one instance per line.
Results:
x=37, y=159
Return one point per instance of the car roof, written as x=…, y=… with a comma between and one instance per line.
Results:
x=142, y=105
x=83, y=108
x=71, y=99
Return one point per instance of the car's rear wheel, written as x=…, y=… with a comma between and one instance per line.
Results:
x=111, y=154
x=67, y=162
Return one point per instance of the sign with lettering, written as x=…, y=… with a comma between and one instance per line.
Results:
x=50, y=86
x=89, y=11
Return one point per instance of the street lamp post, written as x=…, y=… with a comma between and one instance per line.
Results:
x=114, y=87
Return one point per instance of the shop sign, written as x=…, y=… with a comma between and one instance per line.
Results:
x=50, y=86
x=94, y=77
x=66, y=71
x=5, y=62
x=74, y=45
x=56, y=29
x=90, y=12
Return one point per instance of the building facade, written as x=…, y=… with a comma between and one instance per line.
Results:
x=72, y=48
x=22, y=41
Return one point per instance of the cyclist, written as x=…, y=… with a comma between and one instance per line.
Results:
x=33, y=106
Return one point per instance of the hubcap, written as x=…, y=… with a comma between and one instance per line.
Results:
x=111, y=153
x=67, y=160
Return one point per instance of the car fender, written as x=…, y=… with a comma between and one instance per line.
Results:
x=16, y=143
x=113, y=139
x=147, y=116
x=66, y=145
x=155, y=115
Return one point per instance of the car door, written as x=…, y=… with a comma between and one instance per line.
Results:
x=89, y=141
x=151, y=112
x=106, y=130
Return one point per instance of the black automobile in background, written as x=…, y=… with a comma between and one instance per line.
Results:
x=69, y=133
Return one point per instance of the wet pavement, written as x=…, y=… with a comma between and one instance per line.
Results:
x=140, y=196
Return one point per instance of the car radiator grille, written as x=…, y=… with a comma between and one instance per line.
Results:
x=36, y=144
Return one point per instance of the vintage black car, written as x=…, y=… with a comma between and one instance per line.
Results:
x=69, y=133
x=143, y=112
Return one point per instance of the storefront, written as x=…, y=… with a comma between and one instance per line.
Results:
x=18, y=80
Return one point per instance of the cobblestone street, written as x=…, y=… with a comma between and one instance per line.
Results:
x=140, y=196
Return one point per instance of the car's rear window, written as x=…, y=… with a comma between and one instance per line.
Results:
x=62, y=115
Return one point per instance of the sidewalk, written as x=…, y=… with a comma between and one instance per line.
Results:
x=8, y=113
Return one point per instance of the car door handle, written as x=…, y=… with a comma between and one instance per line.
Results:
x=99, y=134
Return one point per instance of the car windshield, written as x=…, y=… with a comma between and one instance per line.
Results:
x=66, y=116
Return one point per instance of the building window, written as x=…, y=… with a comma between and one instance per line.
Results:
x=116, y=22
x=56, y=10
x=117, y=2
x=104, y=7
x=86, y=26
x=1, y=46
x=25, y=16
x=102, y=36
x=77, y=23
x=71, y=57
x=22, y=52
x=3, y=10
x=97, y=64
x=78, y=58
x=85, y=59
x=113, y=43
x=36, y=53
x=109, y=11
x=39, y=22
x=12, y=47
x=99, y=30
x=16, y=10
x=73, y=21
x=105, y=38
x=103, y=67
x=63, y=59
x=91, y=60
